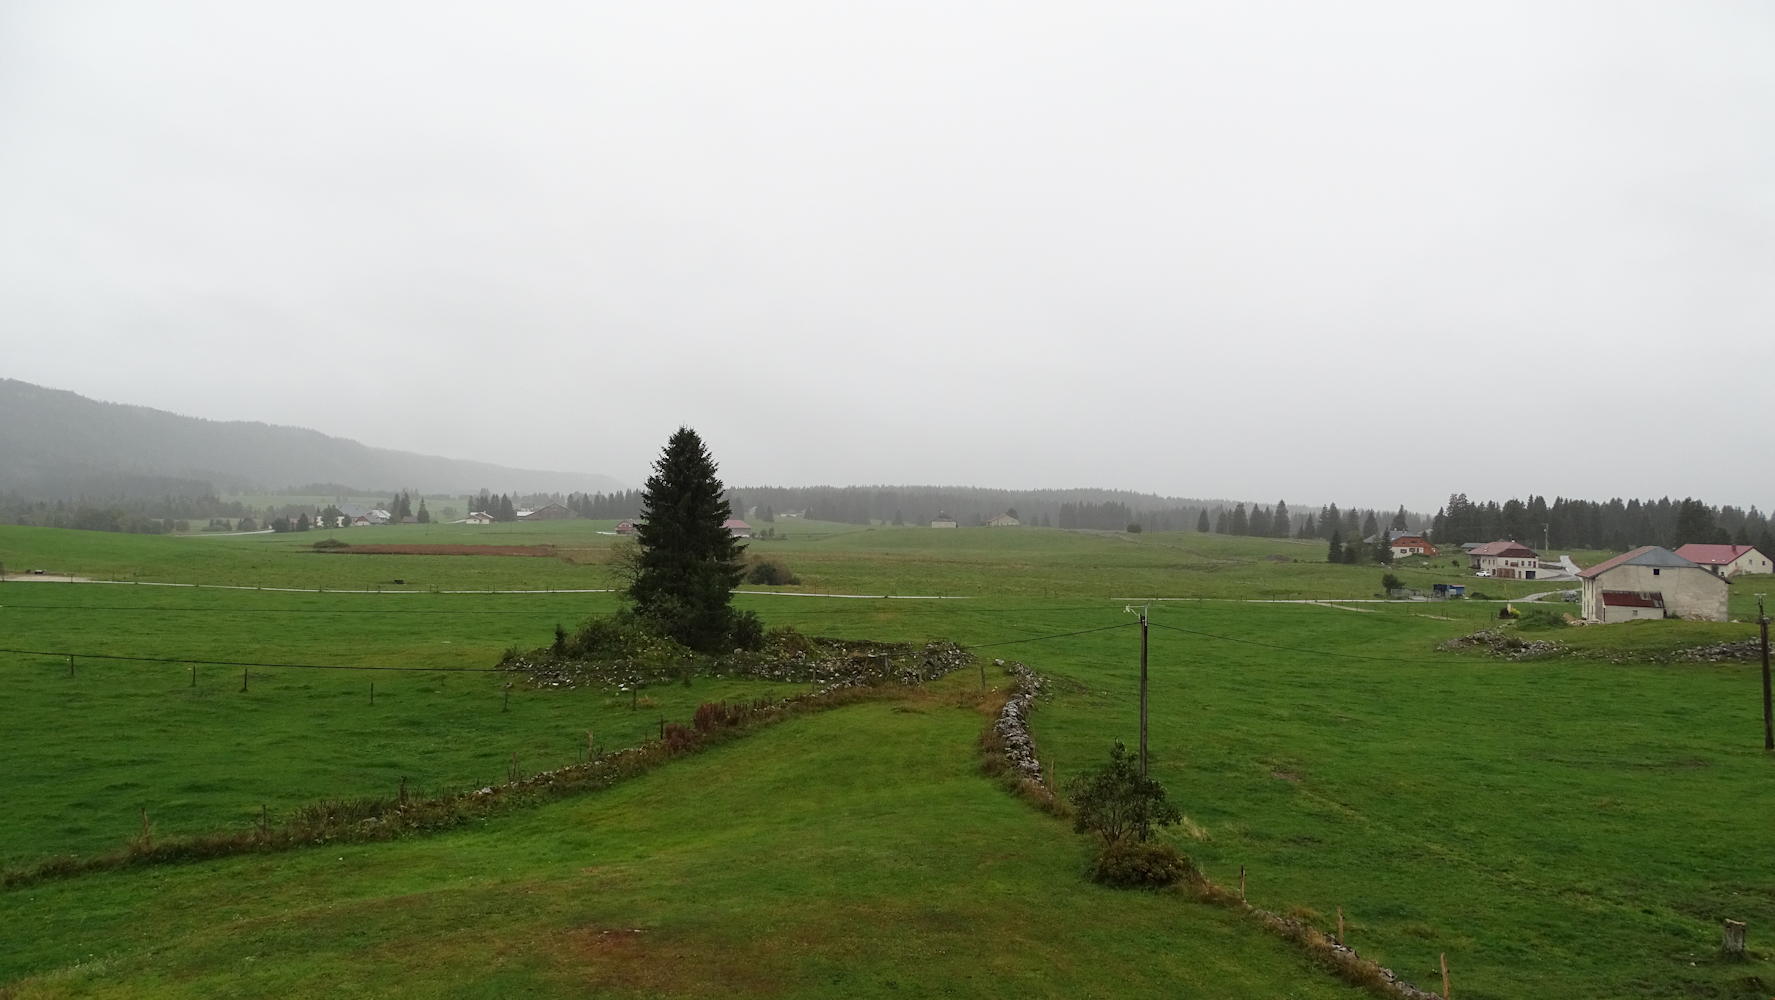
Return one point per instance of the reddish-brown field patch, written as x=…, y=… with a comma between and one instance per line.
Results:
x=445, y=550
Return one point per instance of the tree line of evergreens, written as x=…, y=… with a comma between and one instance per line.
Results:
x=140, y=515
x=1614, y=524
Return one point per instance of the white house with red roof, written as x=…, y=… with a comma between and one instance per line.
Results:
x=1727, y=560
x=737, y=528
x=1506, y=560
x=1652, y=582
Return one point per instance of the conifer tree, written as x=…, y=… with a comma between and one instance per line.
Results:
x=1308, y=528
x=689, y=562
x=1240, y=524
x=1260, y=522
x=1399, y=519
x=1334, y=553
x=1281, y=523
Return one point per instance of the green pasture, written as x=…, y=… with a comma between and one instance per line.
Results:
x=1027, y=562
x=858, y=853
x=198, y=753
x=1562, y=827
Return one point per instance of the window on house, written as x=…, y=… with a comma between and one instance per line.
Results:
x=1654, y=571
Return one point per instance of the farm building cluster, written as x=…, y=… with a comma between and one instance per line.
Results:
x=1692, y=581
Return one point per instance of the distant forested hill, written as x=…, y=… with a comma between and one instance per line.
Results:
x=56, y=443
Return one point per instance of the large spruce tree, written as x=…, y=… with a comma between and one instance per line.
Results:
x=689, y=561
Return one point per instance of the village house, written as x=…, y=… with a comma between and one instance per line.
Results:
x=943, y=520
x=477, y=517
x=1404, y=543
x=1505, y=560
x=1727, y=560
x=1002, y=521
x=1411, y=545
x=1652, y=582
x=737, y=528
x=625, y=527
x=550, y=512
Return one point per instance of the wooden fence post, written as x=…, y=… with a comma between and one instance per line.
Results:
x=1732, y=939
x=1446, y=992
x=1241, y=883
x=1340, y=925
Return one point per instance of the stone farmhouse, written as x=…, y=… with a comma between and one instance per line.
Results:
x=1727, y=560
x=1505, y=560
x=1002, y=521
x=1652, y=582
x=943, y=520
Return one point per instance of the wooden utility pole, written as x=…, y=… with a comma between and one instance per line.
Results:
x=1768, y=714
x=1143, y=631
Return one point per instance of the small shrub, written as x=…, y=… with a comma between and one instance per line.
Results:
x=711, y=715
x=1390, y=583
x=1541, y=618
x=770, y=573
x=1116, y=803
x=1135, y=864
x=679, y=738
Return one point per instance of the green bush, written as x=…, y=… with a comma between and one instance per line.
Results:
x=1541, y=618
x=1117, y=803
x=1135, y=864
x=770, y=573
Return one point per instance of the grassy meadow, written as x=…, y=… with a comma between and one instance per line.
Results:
x=1561, y=827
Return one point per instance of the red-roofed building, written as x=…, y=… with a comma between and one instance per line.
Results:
x=1505, y=560
x=1411, y=545
x=1617, y=589
x=1626, y=605
x=737, y=528
x=1727, y=560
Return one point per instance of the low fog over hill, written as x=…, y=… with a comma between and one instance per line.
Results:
x=57, y=442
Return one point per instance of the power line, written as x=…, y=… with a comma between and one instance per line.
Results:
x=248, y=663
x=1285, y=649
x=452, y=670
x=1057, y=635
x=481, y=611
x=282, y=611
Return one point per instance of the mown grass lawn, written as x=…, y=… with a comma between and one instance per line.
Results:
x=1566, y=827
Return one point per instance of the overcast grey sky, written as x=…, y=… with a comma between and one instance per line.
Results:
x=1363, y=252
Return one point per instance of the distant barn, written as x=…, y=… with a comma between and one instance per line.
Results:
x=551, y=512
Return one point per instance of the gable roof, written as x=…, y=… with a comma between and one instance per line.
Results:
x=1499, y=548
x=1713, y=555
x=1630, y=599
x=1645, y=555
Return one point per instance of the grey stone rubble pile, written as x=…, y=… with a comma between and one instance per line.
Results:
x=1504, y=644
x=1013, y=723
x=830, y=662
x=1720, y=652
